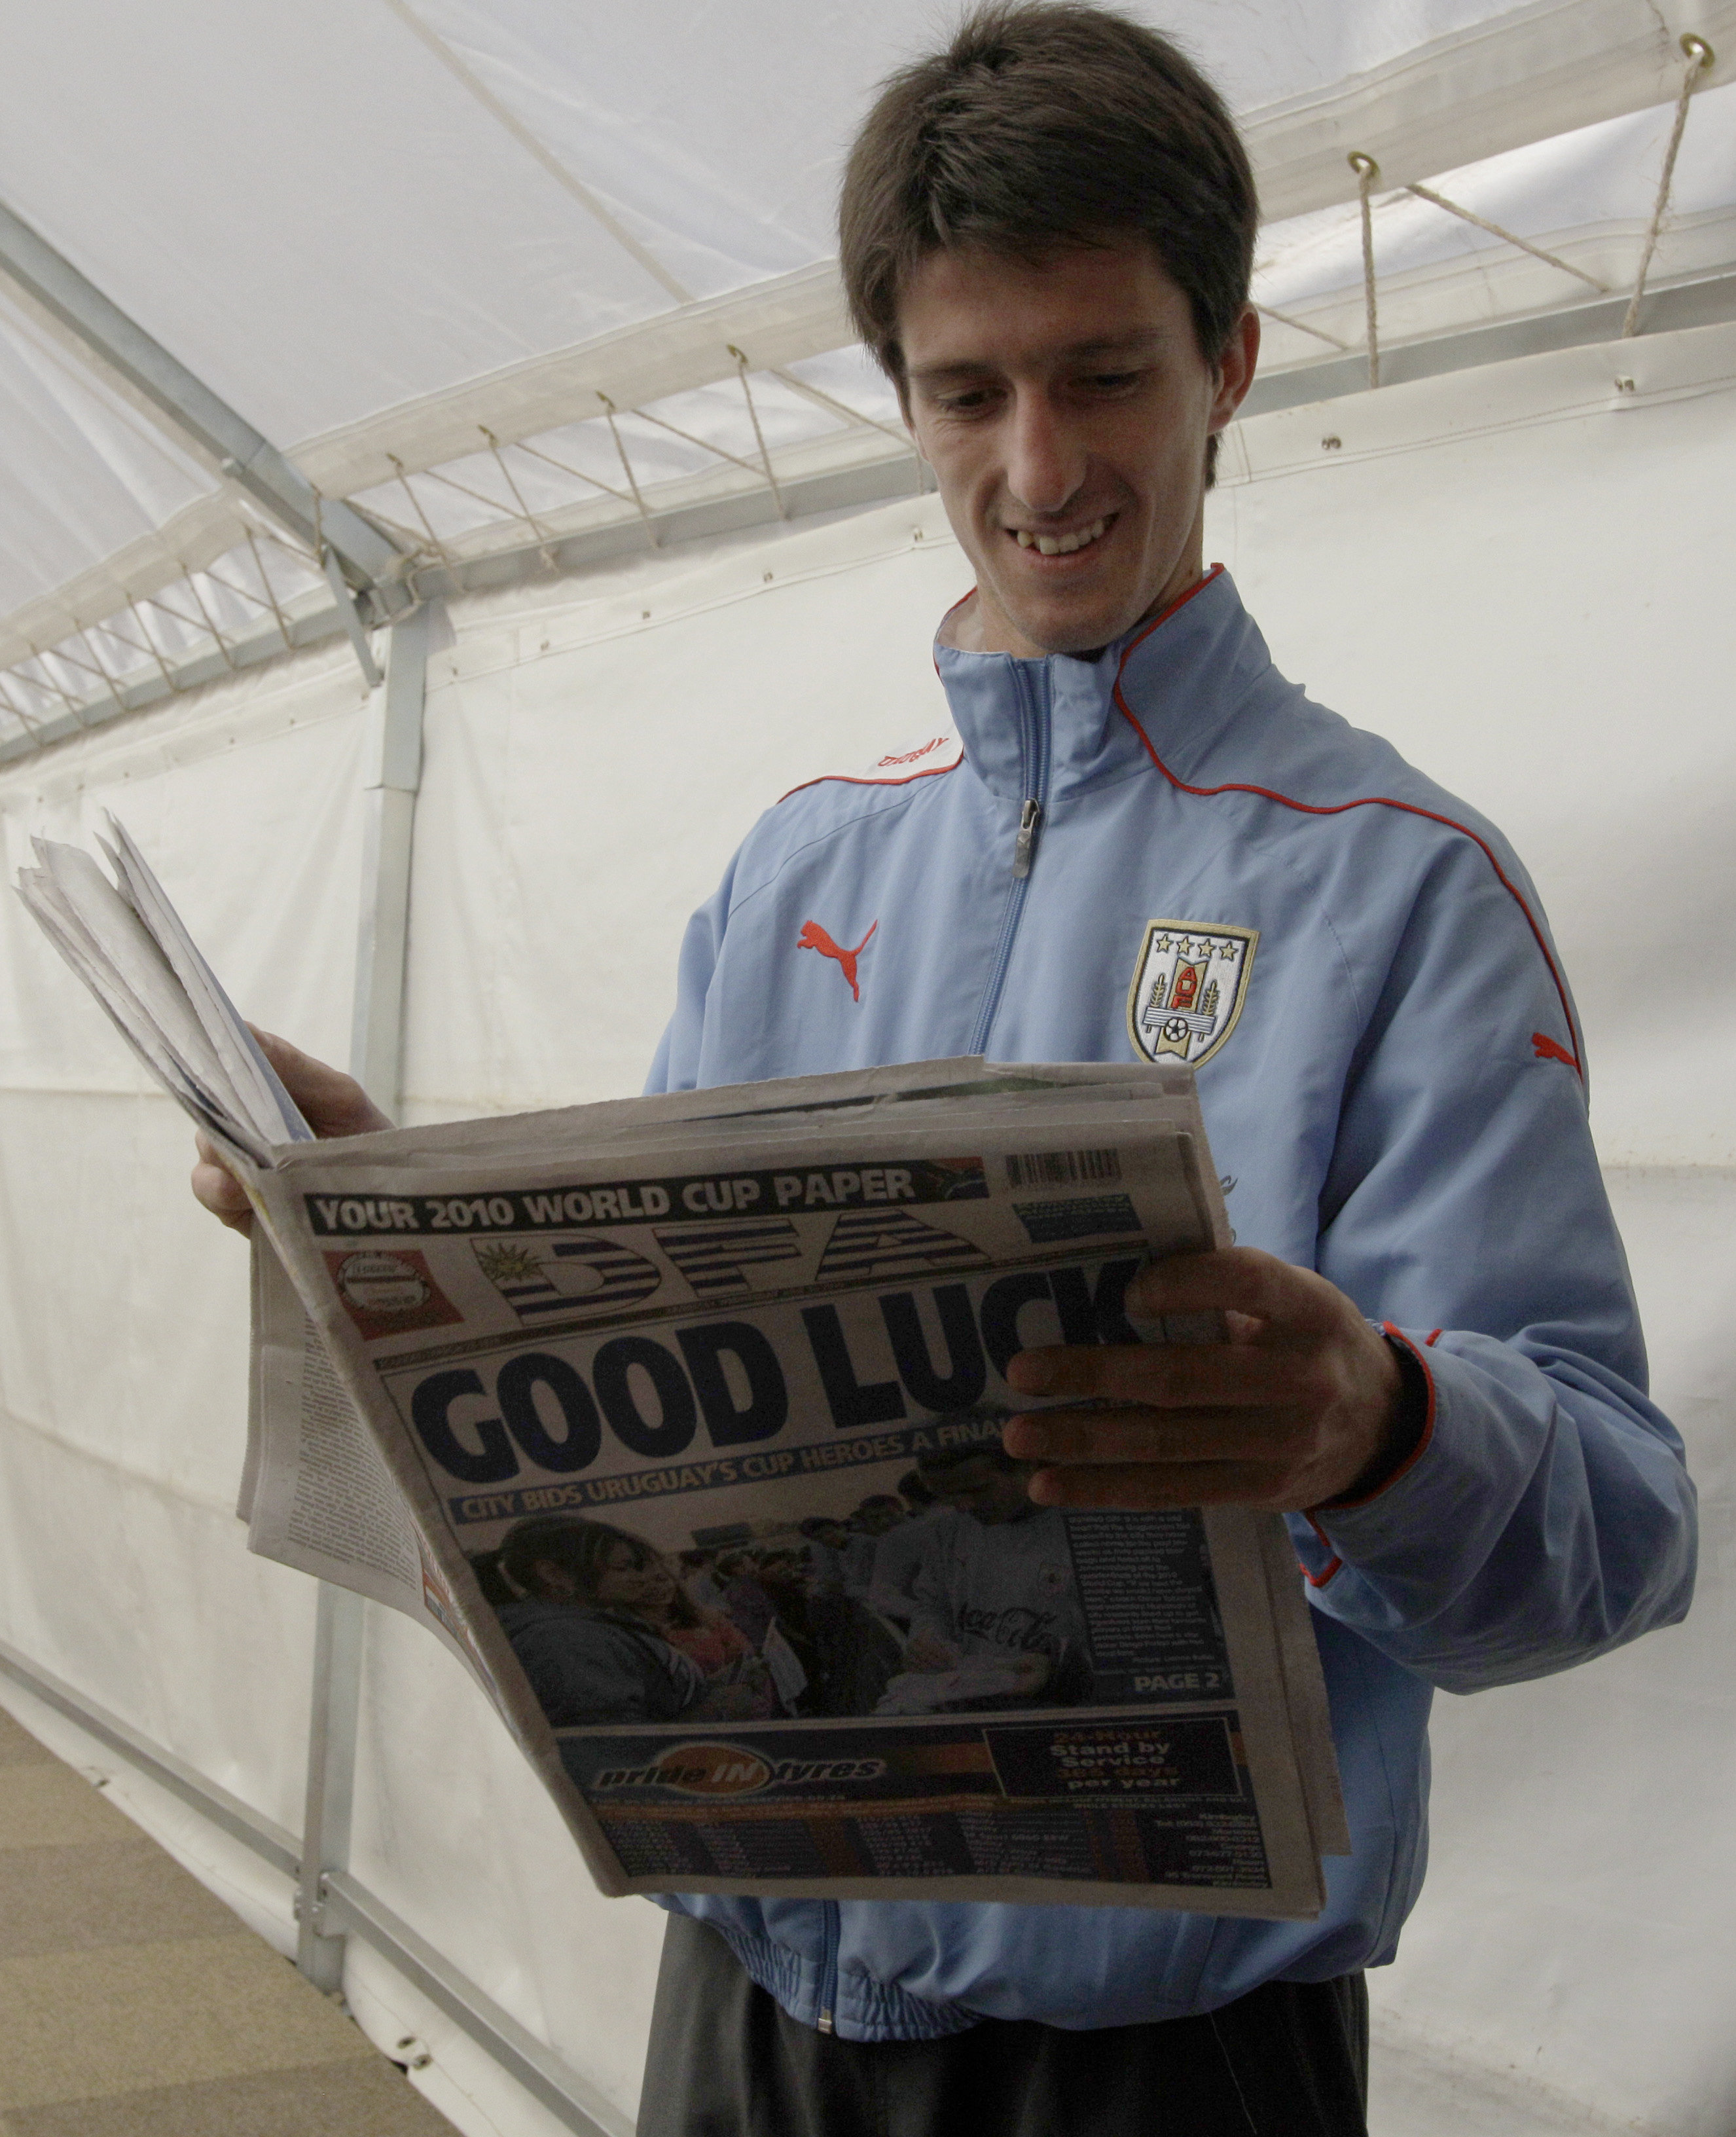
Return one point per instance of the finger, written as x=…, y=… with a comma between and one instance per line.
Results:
x=1195, y=1374
x=221, y=1193
x=1099, y=1438
x=1146, y=1488
x=1239, y=1279
x=218, y=1189
x=332, y=1102
x=215, y=1163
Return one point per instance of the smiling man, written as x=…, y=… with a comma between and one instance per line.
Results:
x=1141, y=843
x=1066, y=407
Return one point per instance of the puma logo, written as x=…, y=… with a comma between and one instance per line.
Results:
x=1546, y=1049
x=813, y=937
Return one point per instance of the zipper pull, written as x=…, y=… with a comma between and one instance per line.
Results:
x=1028, y=819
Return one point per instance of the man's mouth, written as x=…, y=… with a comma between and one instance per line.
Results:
x=1062, y=545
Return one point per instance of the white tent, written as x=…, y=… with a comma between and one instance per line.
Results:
x=497, y=348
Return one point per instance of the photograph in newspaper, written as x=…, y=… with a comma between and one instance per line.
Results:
x=721, y=1451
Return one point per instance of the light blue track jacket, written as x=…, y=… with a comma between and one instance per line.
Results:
x=1400, y=1105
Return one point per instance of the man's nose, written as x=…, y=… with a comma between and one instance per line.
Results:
x=1045, y=461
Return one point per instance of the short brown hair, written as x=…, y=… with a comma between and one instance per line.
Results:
x=1046, y=123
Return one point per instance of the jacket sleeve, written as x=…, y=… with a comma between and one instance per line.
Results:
x=1547, y=1515
x=676, y=1065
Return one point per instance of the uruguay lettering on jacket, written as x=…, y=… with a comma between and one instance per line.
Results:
x=1170, y=852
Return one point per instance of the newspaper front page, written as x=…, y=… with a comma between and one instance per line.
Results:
x=679, y=1420
x=696, y=1355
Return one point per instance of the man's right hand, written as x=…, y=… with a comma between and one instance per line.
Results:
x=332, y=1103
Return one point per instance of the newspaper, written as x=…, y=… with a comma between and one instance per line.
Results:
x=625, y=1401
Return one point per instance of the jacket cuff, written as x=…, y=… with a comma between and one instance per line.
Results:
x=1321, y=1558
x=1415, y=1423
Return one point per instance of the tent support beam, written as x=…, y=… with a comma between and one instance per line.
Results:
x=393, y=777
x=196, y=414
x=1703, y=301
x=1708, y=301
x=393, y=774
x=542, y=2074
x=351, y=1908
x=335, y=1715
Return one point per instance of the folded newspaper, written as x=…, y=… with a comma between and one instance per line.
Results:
x=678, y=1420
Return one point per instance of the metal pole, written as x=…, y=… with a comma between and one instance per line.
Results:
x=188, y=405
x=392, y=775
x=332, y=1723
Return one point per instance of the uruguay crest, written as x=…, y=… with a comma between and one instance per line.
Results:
x=1188, y=986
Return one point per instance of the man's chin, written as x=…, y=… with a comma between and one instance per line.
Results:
x=1081, y=627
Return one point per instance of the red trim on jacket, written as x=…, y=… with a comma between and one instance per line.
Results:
x=1339, y=808
x=1346, y=1506
x=1163, y=615
x=1334, y=1564
x=864, y=779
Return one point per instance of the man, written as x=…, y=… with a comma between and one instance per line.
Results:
x=876, y=1516
x=995, y=1586
x=898, y=1556
x=829, y=1542
x=1146, y=844
x=854, y=1656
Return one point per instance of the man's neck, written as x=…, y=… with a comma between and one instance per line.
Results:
x=980, y=624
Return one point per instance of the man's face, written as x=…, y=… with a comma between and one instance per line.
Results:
x=1064, y=407
x=984, y=1490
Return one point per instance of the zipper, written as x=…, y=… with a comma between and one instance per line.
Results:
x=1034, y=732
x=828, y=1967
x=1029, y=817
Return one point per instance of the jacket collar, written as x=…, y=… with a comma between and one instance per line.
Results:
x=1180, y=675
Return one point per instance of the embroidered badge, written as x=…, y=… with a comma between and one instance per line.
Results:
x=813, y=937
x=1188, y=986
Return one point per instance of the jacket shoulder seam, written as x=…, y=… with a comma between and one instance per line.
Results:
x=807, y=845
x=1379, y=801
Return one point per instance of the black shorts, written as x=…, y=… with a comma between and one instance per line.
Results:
x=1289, y=2060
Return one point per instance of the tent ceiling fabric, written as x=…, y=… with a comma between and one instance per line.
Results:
x=409, y=238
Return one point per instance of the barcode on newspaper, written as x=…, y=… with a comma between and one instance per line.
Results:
x=1062, y=1168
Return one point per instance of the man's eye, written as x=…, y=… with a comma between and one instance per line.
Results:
x=1110, y=381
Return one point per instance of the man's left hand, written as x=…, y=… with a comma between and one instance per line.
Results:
x=1303, y=1404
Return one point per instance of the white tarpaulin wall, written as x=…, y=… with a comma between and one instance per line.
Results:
x=1519, y=575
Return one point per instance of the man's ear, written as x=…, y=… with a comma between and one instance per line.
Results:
x=1234, y=369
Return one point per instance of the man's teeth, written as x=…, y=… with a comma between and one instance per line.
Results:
x=1060, y=545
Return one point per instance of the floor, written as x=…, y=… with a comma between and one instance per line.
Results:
x=1413, y=2095
x=133, y=2004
